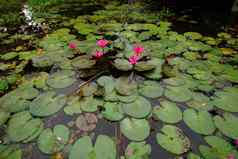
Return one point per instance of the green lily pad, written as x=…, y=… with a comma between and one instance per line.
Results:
x=113, y=111
x=227, y=124
x=173, y=140
x=151, y=89
x=219, y=148
x=156, y=73
x=226, y=99
x=88, y=89
x=10, y=152
x=4, y=115
x=125, y=86
x=61, y=79
x=107, y=83
x=90, y=104
x=22, y=127
x=3, y=85
x=200, y=102
x=83, y=148
x=47, y=104
x=84, y=28
x=50, y=141
x=122, y=64
x=193, y=35
x=140, y=108
x=168, y=112
x=199, y=121
x=135, y=129
x=9, y=56
x=178, y=94
x=73, y=107
x=193, y=156
x=138, y=150
x=146, y=65
x=83, y=62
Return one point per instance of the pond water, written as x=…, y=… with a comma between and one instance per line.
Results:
x=97, y=80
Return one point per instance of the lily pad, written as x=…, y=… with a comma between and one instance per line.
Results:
x=50, y=141
x=135, y=129
x=113, y=111
x=168, y=112
x=173, y=140
x=4, y=115
x=88, y=89
x=87, y=122
x=226, y=99
x=140, y=108
x=138, y=150
x=122, y=64
x=146, y=65
x=178, y=94
x=199, y=121
x=83, y=62
x=84, y=28
x=10, y=152
x=47, y=104
x=219, y=148
x=22, y=127
x=227, y=124
x=151, y=89
x=156, y=73
x=73, y=106
x=83, y=148
x=61, y=79
x=125, y=86
x=90, y=104
x=107, y=83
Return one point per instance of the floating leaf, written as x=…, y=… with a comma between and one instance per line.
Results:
x=84, y=28
x=22, y=126
x=83, y=148
x=73, y=107
x=156, y=73
x=167, y=112
x=146, y=65
x=125, y=86
x=107, y=82
x=83, y=62
x=88, y=89
x=151, y=89
x=219, y=148
x=3, y=116
x=138, y=150
x=47, y=104
x=199, y=121
x=135, y=129
x=178, y=94
x=173, y=140
x=50, y=141
x=90, y=104
x=86, y=122
x=226, y=99
x=140, y=108
x=227, y=124
x=113, y=111
x=61, y=79
x=122, y=64
x=10, y=152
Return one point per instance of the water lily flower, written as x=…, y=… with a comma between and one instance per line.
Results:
x=72, y=45
x=98, y=54
x=133, y=59
x=231, y=156
x=102, y=43
x=138, y=50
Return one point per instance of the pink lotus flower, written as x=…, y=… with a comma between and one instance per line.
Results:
x=231, y=156
x=72, y=45
x=133, y=59
x=98, y=54
x=138, y=50
x=102, y=43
